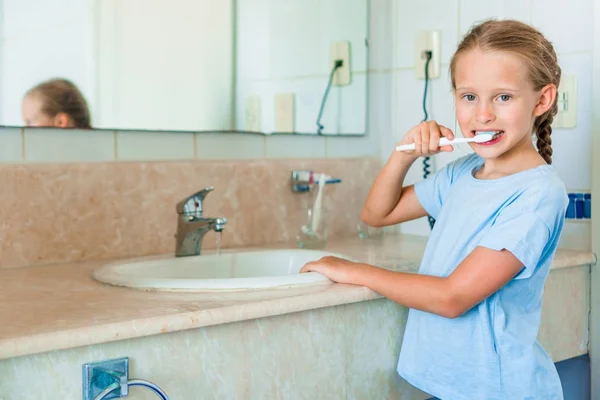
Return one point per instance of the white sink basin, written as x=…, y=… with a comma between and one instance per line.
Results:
x=217, y=274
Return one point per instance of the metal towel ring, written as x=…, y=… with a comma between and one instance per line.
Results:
x=133, y=382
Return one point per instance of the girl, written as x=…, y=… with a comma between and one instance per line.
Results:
x=55, y=103
x=475, y=303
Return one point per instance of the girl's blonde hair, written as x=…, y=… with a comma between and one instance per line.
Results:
x=62, y=96
x=534, y=49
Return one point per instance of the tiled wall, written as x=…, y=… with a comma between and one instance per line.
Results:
x=56, y=145
x=57, y=212
x=73, y=195
x=400, y=22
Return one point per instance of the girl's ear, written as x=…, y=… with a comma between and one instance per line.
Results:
x=62, y=120
x=546, y=99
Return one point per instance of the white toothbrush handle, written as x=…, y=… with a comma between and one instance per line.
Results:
x=443, y=142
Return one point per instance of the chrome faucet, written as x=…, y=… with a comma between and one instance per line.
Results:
x=192, y=225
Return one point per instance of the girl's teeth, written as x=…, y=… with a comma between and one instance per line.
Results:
x=494, y=133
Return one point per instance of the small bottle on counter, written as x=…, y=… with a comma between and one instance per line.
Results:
x=368, y=232
x=587, y=206
x=579, y=206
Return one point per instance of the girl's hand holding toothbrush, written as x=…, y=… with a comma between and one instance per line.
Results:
x=426, y=137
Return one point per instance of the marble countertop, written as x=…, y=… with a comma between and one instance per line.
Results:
x=61, y=306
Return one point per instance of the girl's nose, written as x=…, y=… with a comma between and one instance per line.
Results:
x=485, y=113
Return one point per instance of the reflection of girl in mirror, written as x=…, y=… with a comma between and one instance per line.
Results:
x=56, y=103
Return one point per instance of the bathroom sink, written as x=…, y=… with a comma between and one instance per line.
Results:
x=241, y=271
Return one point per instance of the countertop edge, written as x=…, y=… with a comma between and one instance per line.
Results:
x=179, y=321
x=575, y=260
x=67, y=339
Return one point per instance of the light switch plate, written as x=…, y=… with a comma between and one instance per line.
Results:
x=341, y=51
x=567, y=103
x=284, y=112
x=428, y=41
x=252, y=114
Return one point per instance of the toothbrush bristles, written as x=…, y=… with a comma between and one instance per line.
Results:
x=484, y=137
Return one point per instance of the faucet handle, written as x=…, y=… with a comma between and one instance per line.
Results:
x=192, y=205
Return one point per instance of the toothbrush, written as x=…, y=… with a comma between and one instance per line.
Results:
x=479, y=138
x=317, y=206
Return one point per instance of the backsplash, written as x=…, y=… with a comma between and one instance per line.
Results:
x=58, y=212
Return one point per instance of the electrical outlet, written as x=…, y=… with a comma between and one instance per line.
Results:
x=567, y=103
x=340, y=51
x=284, y=112
x=99, y=375
x=428, y=41
x=252, y=114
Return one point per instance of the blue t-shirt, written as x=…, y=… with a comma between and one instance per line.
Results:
x=491, y=351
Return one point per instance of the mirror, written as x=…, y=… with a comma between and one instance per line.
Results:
x=193, y=65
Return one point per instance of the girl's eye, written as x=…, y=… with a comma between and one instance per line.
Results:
x=504, y=97
x=469, y=97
